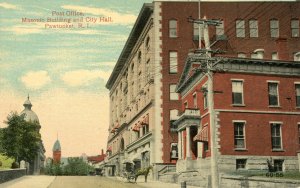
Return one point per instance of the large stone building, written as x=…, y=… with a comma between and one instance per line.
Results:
x=38, y=163
x=143, y=99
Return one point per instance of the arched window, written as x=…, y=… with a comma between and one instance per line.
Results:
x=297, y=56
x=173, y=28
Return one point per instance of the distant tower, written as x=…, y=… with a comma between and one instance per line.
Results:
x=56, y=152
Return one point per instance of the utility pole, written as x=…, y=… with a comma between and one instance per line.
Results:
x=205, y=55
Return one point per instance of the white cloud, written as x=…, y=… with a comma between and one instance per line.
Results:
x=84, y=77
x=9, y=6
x=117, y=17
x=36, y=80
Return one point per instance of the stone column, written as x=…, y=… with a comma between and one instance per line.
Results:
x=200, y=149
x=188, y=143
x=179, y=145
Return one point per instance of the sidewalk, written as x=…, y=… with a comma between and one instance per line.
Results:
x=154, y=184
x=29, y=182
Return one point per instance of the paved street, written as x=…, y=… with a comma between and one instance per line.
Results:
x=82, y=181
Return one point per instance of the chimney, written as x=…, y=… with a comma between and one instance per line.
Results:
x=282, y=49
x=102, y=152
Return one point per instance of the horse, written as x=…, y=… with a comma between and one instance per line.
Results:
x=144, y=171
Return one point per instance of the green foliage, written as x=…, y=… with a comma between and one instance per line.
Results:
x=77, y=167
x=55, y=169
x=20, y=139
x=6, y=161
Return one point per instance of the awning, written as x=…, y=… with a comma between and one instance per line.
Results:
x=109, y=148
x=146, y=120
x=202, y=136
x=137, y=127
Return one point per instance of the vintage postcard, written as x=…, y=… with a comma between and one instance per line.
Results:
x=149, y=93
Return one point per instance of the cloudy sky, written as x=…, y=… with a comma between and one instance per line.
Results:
x=63, y=70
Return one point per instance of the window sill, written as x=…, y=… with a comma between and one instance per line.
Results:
x=271, y=106
x=278, y=150
x=240, y=149
x=238, y=105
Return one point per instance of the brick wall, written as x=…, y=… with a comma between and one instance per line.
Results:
x=228, y=12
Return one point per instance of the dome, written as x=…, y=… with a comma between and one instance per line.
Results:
x=27, y=113
x=56, y=146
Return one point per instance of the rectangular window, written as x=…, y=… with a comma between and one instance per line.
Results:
x=196, y=31
x=240, y=28
x=276, y=135
x=274, y=56
x=278, y=163
x=274, y=28
x=253, y=26
x=173, y=28
x=297, y=88
x=220, y=29
x=173, y=62
x=273, y=94
x=295, y=28
x=173, y=94
x=205, y=104
x=237, y=92
x=195, y=100
x=239, y=135
x=241, y=163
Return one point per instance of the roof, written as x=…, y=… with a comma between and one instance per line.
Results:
x=96, y=159
x=27, y=113
x=56, y=146
x=137, y=29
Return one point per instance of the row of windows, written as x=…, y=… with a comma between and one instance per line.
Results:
x=240, y=28
x=276, y=135
x=273, y=27
x=242, y=164
x=273, y=94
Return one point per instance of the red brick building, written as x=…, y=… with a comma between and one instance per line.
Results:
x=157, y=49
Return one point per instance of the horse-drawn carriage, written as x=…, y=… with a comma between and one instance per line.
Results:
x=128, y=171
x=131, y=174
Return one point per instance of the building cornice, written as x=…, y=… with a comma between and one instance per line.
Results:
x=142, y=19
x=241, y=65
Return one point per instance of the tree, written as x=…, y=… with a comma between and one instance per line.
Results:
x=20, y=139
x=76, y=166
